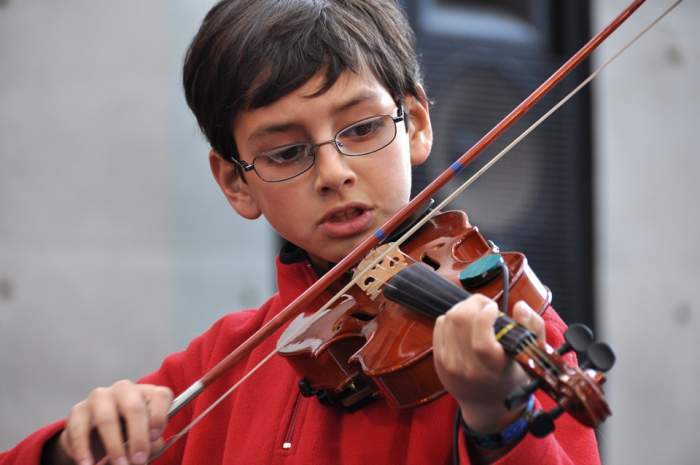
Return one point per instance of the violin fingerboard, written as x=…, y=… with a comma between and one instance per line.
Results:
x=419, y=288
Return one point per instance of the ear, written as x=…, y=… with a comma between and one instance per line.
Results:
x=234, y=187
x=420, y=131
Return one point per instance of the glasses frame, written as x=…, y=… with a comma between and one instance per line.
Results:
x=400, y=116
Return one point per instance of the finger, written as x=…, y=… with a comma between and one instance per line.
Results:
x=133, y=407
x=439, y=338
x=524, y=315
x=75, y=439
x=106, y=418
x=484, y=344
x=159, y=399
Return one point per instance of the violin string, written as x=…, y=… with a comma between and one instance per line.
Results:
x=180, y=434
x=527, y=345
x=531, y=349
x=409, y=233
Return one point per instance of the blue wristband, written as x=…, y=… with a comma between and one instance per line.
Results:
x=510, y=435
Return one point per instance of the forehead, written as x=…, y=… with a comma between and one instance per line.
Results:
x=308, y=104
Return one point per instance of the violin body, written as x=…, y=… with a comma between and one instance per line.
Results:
x=366, y=346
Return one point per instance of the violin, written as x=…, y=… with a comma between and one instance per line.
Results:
x=376, y=340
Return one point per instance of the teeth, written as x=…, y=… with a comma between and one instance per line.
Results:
x=346, y=215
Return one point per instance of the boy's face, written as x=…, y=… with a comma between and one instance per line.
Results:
x=332, y=207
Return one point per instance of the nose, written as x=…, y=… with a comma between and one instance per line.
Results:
x=333, y=170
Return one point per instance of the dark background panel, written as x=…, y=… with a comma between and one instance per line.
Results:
x=480, y=59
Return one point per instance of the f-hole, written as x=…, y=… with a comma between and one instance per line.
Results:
x=430, y=262
x=362, y=316
x=365, y=316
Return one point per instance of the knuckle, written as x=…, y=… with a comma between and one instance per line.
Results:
x=483, y=349
x=444, y=363
x=164, y=393
x=122, y=384
x=98, y=394
x=455, y=366
x=486, y=316
x=133, y=406
x=451, y=316
x=480, y=300
x=76, y=411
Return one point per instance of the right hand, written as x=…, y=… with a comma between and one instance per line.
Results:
x=141, y=409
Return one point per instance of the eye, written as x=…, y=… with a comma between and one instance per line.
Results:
x=366, y=128
x=286, y=155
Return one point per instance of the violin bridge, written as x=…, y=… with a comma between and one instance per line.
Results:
x=371, y=279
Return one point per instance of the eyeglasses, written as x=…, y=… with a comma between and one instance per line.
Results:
x=360, y=138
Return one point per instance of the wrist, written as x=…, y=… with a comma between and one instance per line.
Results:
x=511, y=429
x=485, y=418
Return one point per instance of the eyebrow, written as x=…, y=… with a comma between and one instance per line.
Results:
x=280, y=128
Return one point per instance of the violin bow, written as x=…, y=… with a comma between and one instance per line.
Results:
x=301, y=303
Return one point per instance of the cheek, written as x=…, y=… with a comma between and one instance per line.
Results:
x=396, y=180
x=287, y=211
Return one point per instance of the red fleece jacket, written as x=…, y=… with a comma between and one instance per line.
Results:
x=267, y=422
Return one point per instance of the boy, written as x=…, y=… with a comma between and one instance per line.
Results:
x=315, y=113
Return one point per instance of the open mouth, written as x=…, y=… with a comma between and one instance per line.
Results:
x=348, y=221
x=346, y=215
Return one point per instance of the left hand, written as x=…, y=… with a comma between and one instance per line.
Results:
x=472, y=364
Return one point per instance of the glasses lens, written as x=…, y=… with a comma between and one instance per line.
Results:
x=367, y=136
x=284, y=162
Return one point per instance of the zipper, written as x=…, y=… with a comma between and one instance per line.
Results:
x=287, y=443
x=289, y=435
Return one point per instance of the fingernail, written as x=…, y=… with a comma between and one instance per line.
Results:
x=121, y=461
x=139, y=458
x=155, y=433
x=85, y=462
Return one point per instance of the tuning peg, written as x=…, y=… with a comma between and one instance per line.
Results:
x=578, y=337
x=542, y=423
x=520, y=395
x=599, y=356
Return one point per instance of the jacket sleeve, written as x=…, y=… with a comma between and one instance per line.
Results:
x=177, y=372
x=570, y=443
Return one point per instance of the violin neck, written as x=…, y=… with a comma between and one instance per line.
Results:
x=513, y=337
x=419, y=288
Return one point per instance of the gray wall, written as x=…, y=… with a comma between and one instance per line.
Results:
x=116, y=246
x=648, y=224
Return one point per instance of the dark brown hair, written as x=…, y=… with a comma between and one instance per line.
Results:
x=250, y=53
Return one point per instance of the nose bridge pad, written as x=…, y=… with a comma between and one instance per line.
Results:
x=335, y=147
x=335, y=143
x=338, y=172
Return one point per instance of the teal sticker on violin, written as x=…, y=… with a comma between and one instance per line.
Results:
x=482, y=271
